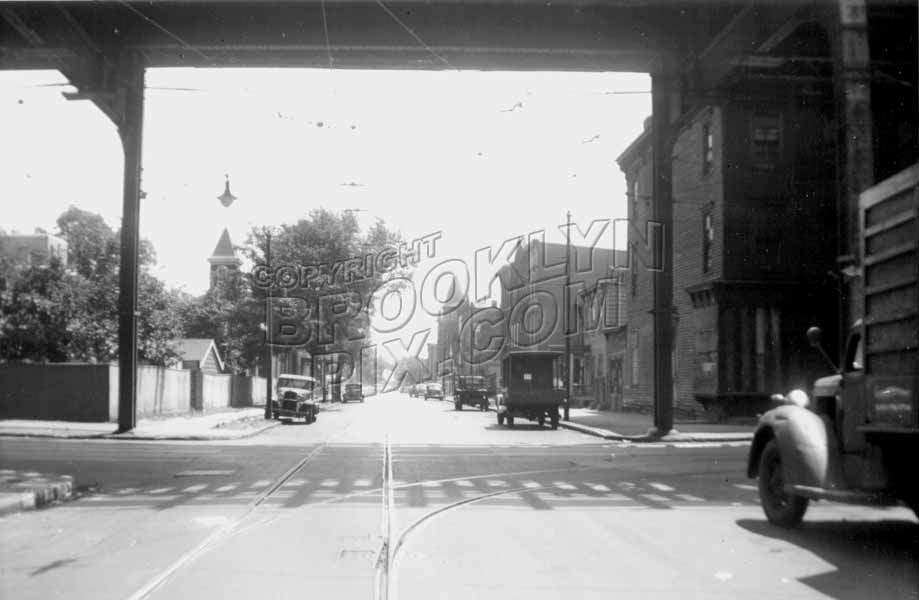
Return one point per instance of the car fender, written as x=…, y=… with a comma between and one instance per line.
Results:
x=806, y=442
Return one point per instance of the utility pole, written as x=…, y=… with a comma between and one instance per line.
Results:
x=567, y=302
x=268, y=412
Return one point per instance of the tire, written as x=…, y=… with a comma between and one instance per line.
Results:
x=554, y=421
x=510, y=421
x=500, y=419
x=781, y=508
x=457, y=406
x=275, y=416
x=541, y=420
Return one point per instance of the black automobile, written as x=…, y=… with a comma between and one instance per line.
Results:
x=470, y=390
x=433, y=390
x=294, y=398
x=354, y=392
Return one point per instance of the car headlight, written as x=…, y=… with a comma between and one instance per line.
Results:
x=794, y=398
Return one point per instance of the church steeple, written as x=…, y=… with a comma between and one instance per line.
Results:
x=224, y=258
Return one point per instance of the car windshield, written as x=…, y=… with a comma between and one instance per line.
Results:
x=301, y=384
x=462, y=299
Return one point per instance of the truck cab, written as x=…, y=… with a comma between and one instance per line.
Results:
x=855, y=438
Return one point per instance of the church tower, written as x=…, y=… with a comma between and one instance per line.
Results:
x=224, y=260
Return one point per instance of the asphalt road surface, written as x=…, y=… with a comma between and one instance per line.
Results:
x=402, y=498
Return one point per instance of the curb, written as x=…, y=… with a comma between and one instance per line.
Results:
x=648, y=438
x=193, y=437
x=670, y=437
x=197, y=437
x=35, y=496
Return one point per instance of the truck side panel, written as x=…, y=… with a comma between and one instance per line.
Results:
x=890, y=262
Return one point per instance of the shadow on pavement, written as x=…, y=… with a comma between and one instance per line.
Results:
x=872, y=559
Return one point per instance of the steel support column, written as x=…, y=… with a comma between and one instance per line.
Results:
x=129, y=97
x=853, y=90
x=662, y=87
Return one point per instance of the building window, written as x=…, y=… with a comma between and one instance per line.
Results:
x=633, y=347
x=708, y=239
x=634, y=273
x=708, y=151
x=766, y=140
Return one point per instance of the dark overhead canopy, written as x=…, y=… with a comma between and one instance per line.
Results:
x=626, y=35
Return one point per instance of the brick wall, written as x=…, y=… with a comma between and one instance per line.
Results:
x=697, y=190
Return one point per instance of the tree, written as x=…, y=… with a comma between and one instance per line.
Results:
x=56, y=313
x=233, y=311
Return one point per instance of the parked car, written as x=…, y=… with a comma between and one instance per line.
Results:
x=294, y=398
x=434, y=390
x=353, y=392
x=417, y=390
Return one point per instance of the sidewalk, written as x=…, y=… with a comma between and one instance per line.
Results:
x=634, y=427
x=228, y=424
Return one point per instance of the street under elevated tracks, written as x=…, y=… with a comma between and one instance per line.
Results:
x=405, y=498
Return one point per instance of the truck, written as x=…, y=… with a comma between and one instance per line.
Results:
x=470, y=390
x=531, y=389
x=855, y=438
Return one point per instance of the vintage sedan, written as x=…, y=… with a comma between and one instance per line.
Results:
x=294, y=398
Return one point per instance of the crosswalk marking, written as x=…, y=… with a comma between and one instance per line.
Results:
x=598, y=487
x=661, y=487
x=465, y=483
x=689, y=498
x=194, y=488
x=496, y=483
x=326, y=483
x=531, y=484
x=746, y=486
x=227, y=488
x=260, y=483
x=161, y=490
x=562, y=485
x=296, y=482
x=655, y=497
x=363, y=483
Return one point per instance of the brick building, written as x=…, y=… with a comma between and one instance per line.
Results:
x=536, y=295
x=754, y=246
x=33, y=250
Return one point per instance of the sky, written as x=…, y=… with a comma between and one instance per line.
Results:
x=477, y=156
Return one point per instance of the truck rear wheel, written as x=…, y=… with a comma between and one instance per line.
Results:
x=555, y=421
x=510, y=421
x=500, y=419
x=781, y=508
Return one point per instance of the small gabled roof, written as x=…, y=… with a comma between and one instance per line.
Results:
x=197, y=349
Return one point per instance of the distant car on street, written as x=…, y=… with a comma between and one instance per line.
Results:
x=470, y=390
x=434, y=390
x=354, y=392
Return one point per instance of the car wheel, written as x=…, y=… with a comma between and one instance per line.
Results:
x=500, y=419
x=541, y=420
x=510, y=421
x=457, y=406
x=781, y=508
x=554, y=421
